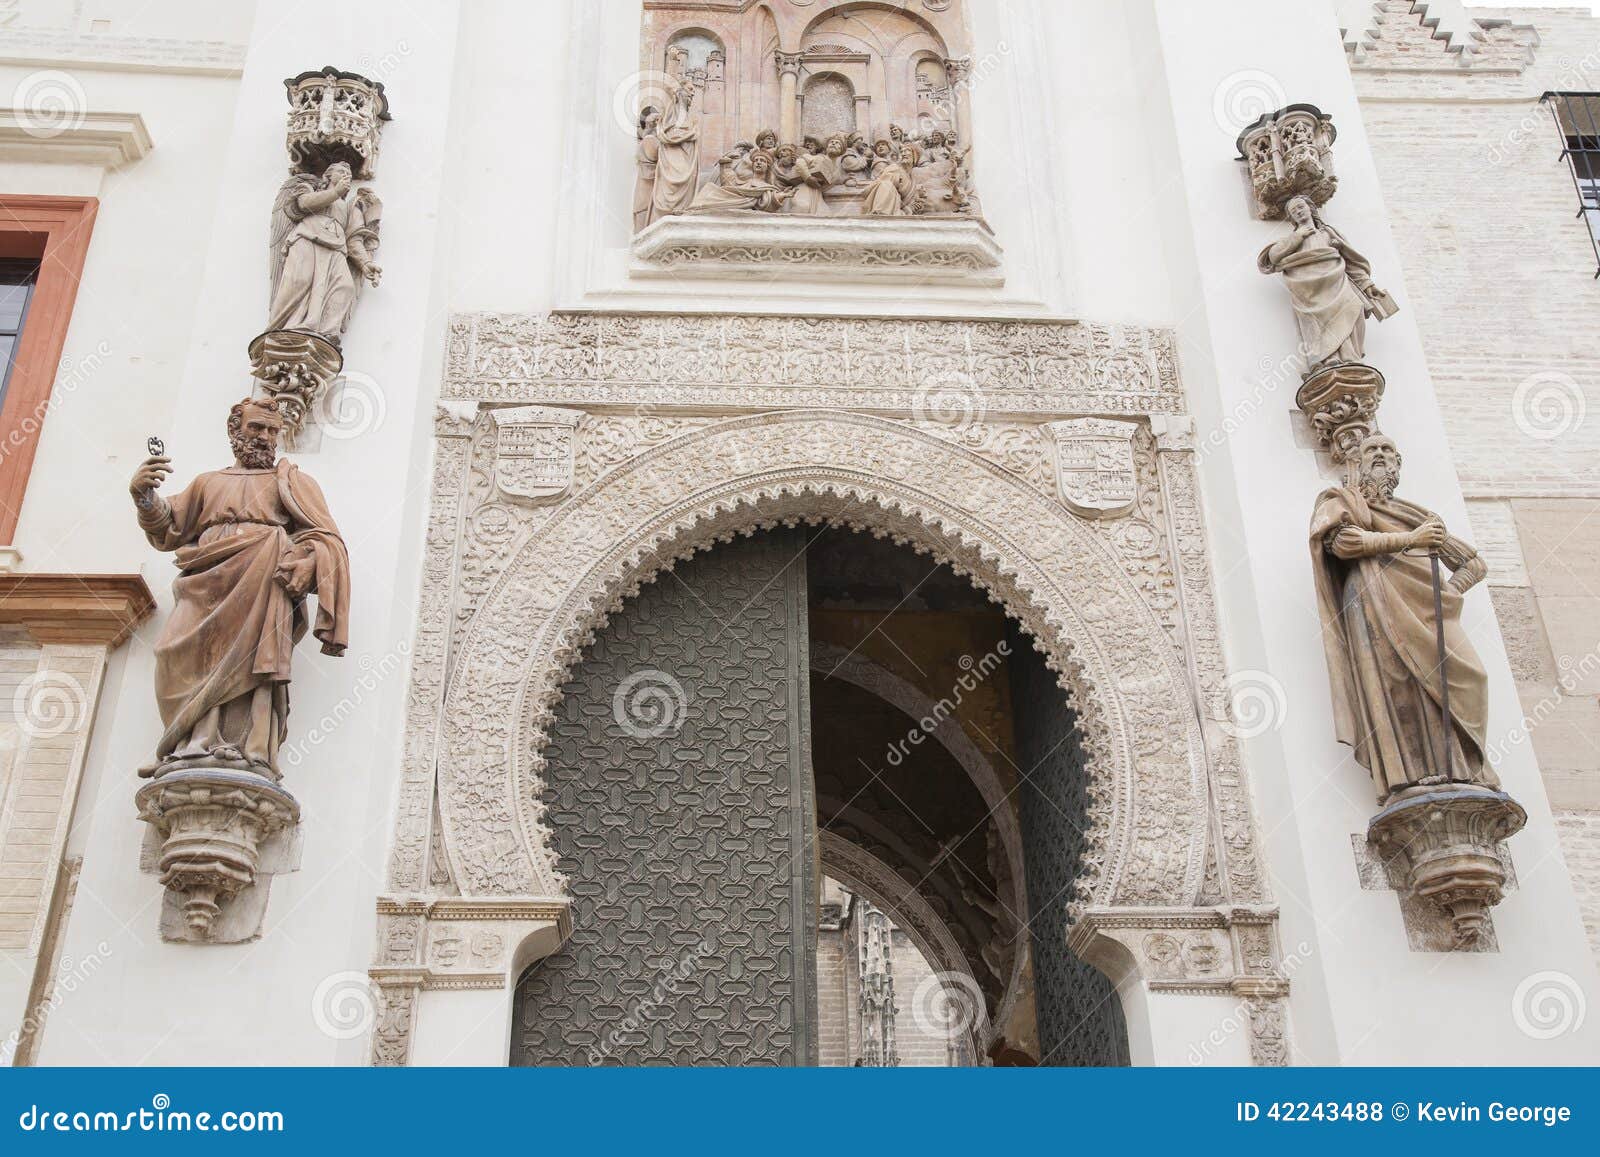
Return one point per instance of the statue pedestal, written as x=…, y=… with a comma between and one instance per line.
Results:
x=1447, y=841
x=295, y=369
x=212, y=824
x=1341, y=400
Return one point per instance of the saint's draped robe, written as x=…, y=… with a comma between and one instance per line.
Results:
x=1382, y=647
x=222, y=662
x=1325, y=277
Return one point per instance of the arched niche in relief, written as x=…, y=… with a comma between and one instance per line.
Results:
x=828, y=106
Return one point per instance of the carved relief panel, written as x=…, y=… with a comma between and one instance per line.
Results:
x=804, y=109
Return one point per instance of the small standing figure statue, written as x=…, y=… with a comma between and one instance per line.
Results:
x=1377, y=599
x=644, y=188
x=1330, y=286
x=251, y=542
x=323, y=236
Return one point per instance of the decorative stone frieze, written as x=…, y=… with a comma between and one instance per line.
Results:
x=956, y=371
x=1225, y=950
x=925, y=251
x=1289, y=153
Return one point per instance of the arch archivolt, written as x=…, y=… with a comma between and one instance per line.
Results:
x=513, y=590
x=1147, y=834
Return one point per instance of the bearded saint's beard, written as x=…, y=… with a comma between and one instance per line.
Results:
x=1379, y=487
x=253, y=453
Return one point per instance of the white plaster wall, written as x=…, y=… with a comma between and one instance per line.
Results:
x=158, y=1003
x=134, y=321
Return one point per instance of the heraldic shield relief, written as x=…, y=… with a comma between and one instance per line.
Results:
x=533, y=451
x=1094, y=465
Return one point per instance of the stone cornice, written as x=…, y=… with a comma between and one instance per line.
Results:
x=107, y=139
x=101, y=609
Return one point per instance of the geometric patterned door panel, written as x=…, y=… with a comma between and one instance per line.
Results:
x=680, y=796
x=1079, y=1013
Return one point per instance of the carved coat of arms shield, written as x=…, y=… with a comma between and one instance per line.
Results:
x=1094, y=465
x=533, y=450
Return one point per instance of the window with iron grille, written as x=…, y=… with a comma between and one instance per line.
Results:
x=1577, y=116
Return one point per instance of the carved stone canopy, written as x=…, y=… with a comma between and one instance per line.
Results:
x=1289, y=153
x=335, y=116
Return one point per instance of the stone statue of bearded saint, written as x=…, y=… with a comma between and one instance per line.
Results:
x=251, y=543
x=1370, y=551
x=323, y=236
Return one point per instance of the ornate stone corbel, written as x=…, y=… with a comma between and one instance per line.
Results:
x=1289, y=153
x=1447, y=843
x=213, y=824
x=1341, y=401
x=295, y=370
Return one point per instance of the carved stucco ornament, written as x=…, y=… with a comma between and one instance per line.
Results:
x=1289, y=153
x=1094, y=465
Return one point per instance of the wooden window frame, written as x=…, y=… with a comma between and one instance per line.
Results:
x=56, y=230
